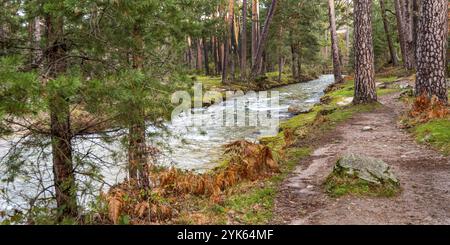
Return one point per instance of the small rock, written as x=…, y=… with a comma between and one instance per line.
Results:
x=381, y=85
x=345, y=101
x=309, y=187
x=367, y=128
x=295, y=110
x=405, y=86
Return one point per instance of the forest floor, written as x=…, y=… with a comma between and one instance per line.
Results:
x=424, y=174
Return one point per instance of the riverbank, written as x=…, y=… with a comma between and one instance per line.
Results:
x=271, y=80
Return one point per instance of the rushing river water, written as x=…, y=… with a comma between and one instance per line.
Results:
x=197, y=148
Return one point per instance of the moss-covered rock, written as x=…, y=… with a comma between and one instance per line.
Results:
x=361, y=175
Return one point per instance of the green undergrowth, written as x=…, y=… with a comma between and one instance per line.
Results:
x=436, y=133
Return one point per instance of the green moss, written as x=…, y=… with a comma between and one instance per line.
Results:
x=435, y=133
x=345, y=113
x=209, y=82
x=340, y=184
x=300, y=120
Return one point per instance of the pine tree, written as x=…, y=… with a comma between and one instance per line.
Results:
x=337, y=69
x=432, y=50
x=365, y=91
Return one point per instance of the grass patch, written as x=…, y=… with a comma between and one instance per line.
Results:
x=254, y=207
x=435, y=133
x=341, y=184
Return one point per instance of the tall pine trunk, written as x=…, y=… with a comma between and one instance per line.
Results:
x=365, y=91
x=408, y=15
x=392, y=53
x=228, y=41
x=35, y=34
x=190, y=54
x=244, y=41
x=337, y=69
x=199, y=60
x=294, y=66
x=400, y=26
x=432, y=50
x=255, y=29
x=206, y=57
x=61, y=135
x=257, y=65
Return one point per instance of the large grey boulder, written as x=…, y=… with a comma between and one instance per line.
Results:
x=367, y=168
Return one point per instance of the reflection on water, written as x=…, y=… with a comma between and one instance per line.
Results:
x=186, y=147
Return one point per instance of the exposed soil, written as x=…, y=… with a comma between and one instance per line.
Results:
x=424, y=175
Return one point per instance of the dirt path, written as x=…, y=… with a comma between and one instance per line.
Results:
x=424, y=175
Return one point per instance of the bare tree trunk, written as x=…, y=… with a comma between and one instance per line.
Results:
x=299, y=59
x=408, y=29
x=234, y=43
x=294, y=54
x=257, y=66
x=280, y=67
x=61, y=135
x=416, y=19
x=214, y=54
x=35, y=33
x=255, y=29
x=365, y=91
x=337, y=70
x=244, y=41
x=221, y=56
x=205, y=56
x=400, y=27
x=228, y=40
x=388, y=34
x=432, y=50
x=199, y=54
x=190, y=53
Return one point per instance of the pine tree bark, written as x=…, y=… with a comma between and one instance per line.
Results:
x=392, y=53
x=400, y=26
x=214, y=54
x=190, y=53
x=255, y=29
x=244, y=41
x=365, y=91
x=294, y=55
x=61, y=135
x=432, y=50
x=229, y=19
x=280, y=67
x=199, y=55
x=410, y=47
x=257, y=65
x=206, y=56
x=337, y=68
x=35, y=33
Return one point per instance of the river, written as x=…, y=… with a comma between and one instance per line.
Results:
x=195, y=147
